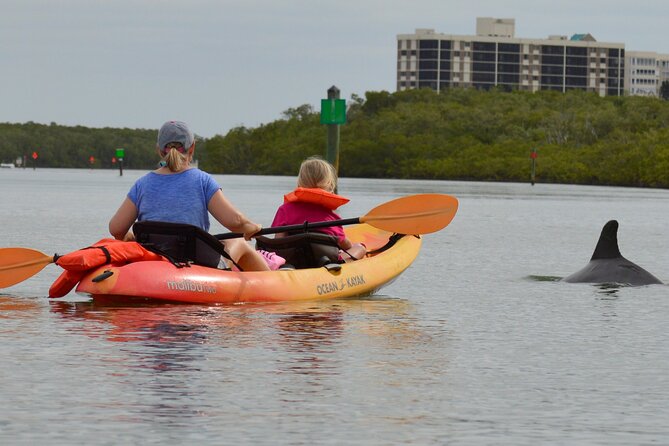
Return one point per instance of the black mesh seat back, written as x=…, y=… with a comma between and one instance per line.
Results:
x=180, y=242
x=304, y=250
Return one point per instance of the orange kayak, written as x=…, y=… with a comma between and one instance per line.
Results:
x=162, y=281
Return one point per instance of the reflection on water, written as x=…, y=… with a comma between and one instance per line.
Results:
x=300, y=326
x=13, y=307
x=544, y=278
x=179, y=364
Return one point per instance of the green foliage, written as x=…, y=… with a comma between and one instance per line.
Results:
x=61, y=146
x=457, y=134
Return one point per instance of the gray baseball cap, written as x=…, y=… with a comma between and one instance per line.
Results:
x=175, y=131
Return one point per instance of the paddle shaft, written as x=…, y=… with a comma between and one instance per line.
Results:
x=414, y=214
x=299, y=227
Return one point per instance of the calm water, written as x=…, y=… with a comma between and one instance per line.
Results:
x=474, y=344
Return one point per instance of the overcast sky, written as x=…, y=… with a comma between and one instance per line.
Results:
x=218, y=64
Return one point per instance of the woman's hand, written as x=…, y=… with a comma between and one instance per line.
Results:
x=254, y=228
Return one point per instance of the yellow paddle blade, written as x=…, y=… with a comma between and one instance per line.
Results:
x=415, y=214
x=18, y=264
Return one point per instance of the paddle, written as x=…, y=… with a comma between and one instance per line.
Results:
x=18, y=264
x=414, y=214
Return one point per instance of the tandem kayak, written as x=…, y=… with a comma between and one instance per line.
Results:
x=388, y=256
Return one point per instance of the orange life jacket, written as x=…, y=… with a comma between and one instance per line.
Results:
x=106, y=251
x=316, y=196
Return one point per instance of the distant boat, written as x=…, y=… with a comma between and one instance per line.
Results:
x=6, y=165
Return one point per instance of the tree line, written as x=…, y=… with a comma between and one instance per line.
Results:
x=468, y=134
x=72, y=147
x=456, y=134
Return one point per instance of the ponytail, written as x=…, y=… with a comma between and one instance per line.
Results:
x=175, y=160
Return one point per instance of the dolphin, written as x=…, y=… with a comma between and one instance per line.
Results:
x=607, y=265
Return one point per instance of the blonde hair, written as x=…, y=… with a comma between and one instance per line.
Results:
x=176, y=161
x=315, y=172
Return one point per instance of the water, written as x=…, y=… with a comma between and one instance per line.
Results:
x=475, y=344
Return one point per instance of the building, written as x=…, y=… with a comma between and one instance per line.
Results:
x=644, y=72
x=494, y=57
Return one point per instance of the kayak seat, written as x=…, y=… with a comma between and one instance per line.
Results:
x=182, y=244
x=303, y=250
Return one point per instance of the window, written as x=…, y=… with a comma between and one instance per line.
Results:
x=427, y=65
x=428, y=84
x=483, y=77
x=580, y=61
x=550, y=69
x=551, y=80
x=508, y=57
x=577, y=51
x=487, y=67
x=508, y=68
x=428, y=44
x=552, y=60
x=484, y=46
x=508, y=78
x=552, y=49
x=575, y=81
x=577, y=71
x=429, y=54
x=508, y=47
x=487, y=57
x=428, y=75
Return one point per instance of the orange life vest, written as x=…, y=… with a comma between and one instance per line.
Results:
x=106, y=251
x=316, y=196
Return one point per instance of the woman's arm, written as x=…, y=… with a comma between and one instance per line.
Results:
x=228, y=215
x=120, y=223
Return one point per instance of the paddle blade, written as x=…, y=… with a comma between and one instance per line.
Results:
x=415, y=214
x=18, y=264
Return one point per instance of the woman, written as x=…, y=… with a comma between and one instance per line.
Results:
x=179, y=193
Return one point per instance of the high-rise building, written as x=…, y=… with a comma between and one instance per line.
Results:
x=494, y=57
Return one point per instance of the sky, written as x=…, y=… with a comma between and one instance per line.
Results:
x=220, y=64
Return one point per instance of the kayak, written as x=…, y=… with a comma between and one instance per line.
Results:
x=116, y=270
x=388, y=256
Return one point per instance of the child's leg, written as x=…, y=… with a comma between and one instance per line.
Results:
x=357, y=252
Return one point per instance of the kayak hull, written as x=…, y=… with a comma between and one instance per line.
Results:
x=162, y=281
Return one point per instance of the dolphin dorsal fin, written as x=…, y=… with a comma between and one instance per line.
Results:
x=607, y=246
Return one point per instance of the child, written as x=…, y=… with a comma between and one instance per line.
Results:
x=314, y=200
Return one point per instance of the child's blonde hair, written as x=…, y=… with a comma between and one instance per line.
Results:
x=315, y=172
